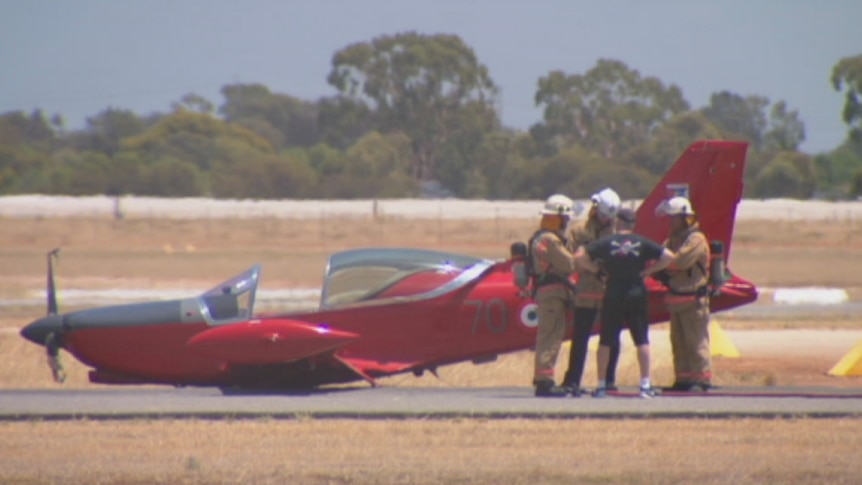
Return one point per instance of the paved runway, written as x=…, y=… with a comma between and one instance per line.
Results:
x=426, y=403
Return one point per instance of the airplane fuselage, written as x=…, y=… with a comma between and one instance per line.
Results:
x=169, y=342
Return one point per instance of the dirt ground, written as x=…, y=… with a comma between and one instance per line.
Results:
x=152, y=253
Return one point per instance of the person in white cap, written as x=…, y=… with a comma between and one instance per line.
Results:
x=552, y=264
x=591, y=290
x=687, y=300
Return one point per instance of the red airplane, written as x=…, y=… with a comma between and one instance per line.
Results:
x=382, y=311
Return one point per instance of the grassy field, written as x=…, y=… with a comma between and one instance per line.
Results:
x=197, y=254
x=328, y=452
x=142, y=252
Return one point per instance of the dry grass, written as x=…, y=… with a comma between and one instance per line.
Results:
x=265, y=233
x=436, y=452
x=141, y=252
x=343, y=231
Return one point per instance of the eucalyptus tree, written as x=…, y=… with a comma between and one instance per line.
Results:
x=607, y=110
x=430, y=87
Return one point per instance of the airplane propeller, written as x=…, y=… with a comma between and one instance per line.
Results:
x=52, y=349
x=54, y=340
x=52, y=289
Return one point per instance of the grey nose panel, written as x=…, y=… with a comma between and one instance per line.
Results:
x=149, y=313
x=39, y=330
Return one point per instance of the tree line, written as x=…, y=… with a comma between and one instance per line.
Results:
x=415, y=115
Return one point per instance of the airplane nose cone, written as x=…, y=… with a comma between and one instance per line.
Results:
x=39, y=330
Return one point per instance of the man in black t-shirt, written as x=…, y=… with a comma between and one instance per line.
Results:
x=623, y=257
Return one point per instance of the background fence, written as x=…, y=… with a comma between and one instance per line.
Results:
x=198, y=208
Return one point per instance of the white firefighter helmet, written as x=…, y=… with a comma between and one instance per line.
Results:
x=607, y=203
x=558, y=205
x=675, y=206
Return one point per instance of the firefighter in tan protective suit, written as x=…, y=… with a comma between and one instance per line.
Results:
x=591, y=289
x=687, y=300
x=552, y=265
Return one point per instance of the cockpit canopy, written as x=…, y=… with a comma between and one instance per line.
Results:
x=233, y=299
x=380, y=274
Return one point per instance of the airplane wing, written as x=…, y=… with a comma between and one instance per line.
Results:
x=270, y=341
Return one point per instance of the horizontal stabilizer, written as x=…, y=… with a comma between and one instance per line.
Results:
x=268, y=342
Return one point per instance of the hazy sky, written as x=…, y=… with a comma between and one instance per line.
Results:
x=78, y=57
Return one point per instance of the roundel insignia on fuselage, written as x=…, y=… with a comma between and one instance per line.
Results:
x=530, y=315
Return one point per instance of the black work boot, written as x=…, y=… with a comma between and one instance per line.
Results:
x=578, y=391
x=549, y=389
x=680, y=386
x=705, y=386
x=573, y=389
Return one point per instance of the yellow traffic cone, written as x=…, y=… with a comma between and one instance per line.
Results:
x=719, y=342
x=850, y=364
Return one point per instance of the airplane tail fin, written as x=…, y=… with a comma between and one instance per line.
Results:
x=710, y=175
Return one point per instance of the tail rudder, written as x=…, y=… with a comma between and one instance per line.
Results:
x=710, y=175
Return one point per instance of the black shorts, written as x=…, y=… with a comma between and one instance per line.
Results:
x=619, y=310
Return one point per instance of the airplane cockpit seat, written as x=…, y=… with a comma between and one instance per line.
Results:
x=222, y=307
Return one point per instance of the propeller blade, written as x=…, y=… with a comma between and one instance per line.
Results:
x=52, y=349
x=52, y=290
x=53, y=340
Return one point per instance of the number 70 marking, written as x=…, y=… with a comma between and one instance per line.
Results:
x=493, y=314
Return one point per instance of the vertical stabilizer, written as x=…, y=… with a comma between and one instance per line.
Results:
x=710, y=175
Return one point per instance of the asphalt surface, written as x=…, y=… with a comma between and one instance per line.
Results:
x=425, y=403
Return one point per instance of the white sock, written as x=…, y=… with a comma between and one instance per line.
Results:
x=602, y=384
x=645, y=384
